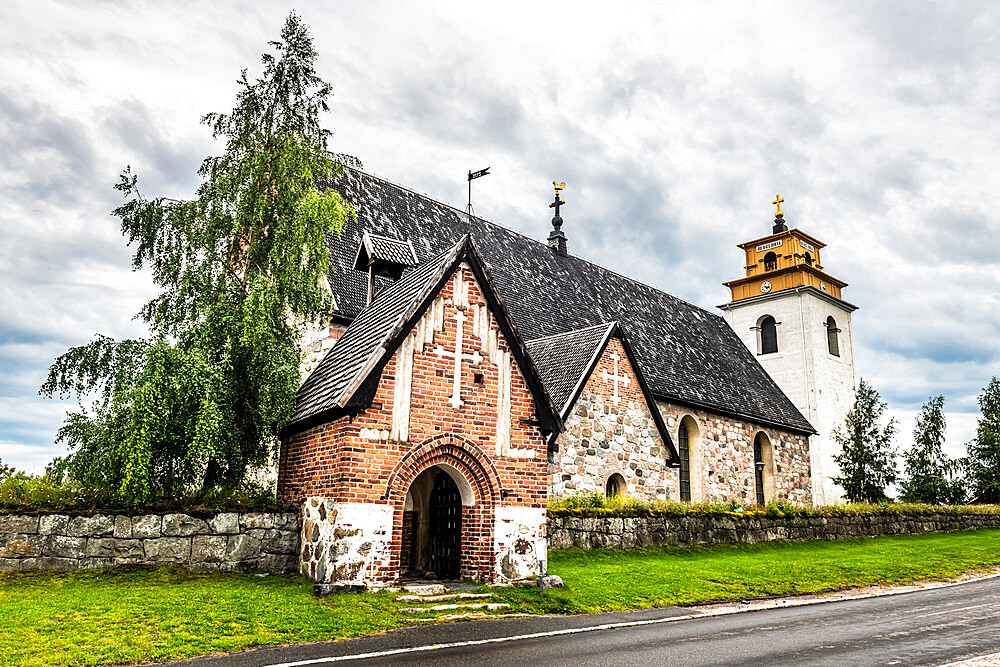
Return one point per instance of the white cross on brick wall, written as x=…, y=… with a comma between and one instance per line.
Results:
x=615, y=378
x=458, y=356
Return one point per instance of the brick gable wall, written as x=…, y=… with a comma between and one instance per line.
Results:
x=371, y=458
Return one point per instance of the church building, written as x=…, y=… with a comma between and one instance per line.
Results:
x=472, y=372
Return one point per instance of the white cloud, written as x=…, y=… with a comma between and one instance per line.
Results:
x=673, y=124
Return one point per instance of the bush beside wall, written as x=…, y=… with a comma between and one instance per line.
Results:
x=610, y=531
x=226, y=541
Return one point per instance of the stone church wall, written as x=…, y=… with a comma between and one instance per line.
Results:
x=722, y=458
x=654, y=531
x=604, y=437
x=225, y=542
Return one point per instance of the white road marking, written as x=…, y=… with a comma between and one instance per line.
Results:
x=624, y=624
x=952, y=611
x=979, y=660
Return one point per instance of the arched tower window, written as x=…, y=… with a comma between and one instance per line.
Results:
x=770, y=261
x=832, y=340
x=768, y=335
x=809, y=258
x=615, y=486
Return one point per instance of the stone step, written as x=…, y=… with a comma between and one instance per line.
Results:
x=425, y=589
x=451, y=607
x=446, y=596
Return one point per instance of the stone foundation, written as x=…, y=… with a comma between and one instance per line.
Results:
x=345, y=543
x=635, y=532
x=261, y=542
x=520, y=542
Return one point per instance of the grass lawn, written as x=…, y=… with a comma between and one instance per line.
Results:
x=87, y=618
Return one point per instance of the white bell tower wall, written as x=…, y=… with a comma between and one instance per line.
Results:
x=818, y=381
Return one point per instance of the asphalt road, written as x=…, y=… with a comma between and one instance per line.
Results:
x=928, y=627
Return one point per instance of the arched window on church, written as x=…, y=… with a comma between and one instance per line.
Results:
x=690, y=483
x=768, y=335
x=763, y=469
x=615, y=486
x=809, y=258
x=770, y=261
x=832, y=340
x=684, y=451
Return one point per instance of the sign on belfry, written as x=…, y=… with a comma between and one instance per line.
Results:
x=768, y=246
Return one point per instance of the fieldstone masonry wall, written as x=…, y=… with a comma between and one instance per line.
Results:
x=633, y=532
x=610, y=430
x=722, y=459
x=228, y=541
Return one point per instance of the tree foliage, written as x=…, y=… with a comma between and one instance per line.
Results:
x=866, y=460
x=239, y=265
x=929, y=476
x=984, y=450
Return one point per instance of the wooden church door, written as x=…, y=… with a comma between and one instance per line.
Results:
x=445, y=527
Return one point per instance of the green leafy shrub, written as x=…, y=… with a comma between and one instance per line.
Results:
x=598, y=505
x=21, y=492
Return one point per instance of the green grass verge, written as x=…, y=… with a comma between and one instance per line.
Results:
x=88, y=618
x=618, y=580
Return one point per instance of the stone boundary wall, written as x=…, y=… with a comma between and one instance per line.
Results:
x=654, y=531
x=227, y=542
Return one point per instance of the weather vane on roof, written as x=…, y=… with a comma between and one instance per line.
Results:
x=474, y=175
x=558, y=202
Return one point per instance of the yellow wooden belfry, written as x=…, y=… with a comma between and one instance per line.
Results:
x=781, y=261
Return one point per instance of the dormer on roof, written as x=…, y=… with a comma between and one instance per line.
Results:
x=383, y=256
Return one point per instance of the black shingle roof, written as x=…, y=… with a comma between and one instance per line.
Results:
x=688, y=355
x=343, y=380
x=564, y=360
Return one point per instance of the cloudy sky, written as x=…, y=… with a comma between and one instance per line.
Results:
x=674, y=125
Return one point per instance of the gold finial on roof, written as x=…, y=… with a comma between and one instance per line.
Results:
x=777, y=202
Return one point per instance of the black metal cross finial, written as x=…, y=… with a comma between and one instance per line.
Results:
x=557, y=202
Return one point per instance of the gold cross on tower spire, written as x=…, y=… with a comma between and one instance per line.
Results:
x=777, y=202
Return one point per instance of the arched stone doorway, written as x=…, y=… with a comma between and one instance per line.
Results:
x=763, y=459
x=432, y=531
x=409, y=490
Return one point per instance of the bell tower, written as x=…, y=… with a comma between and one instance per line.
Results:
x=791, y=314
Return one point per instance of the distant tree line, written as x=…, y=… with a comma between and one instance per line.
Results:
x=868, y=456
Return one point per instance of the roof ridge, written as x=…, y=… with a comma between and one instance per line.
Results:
x=530, y=238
